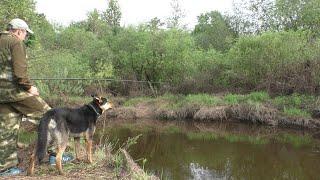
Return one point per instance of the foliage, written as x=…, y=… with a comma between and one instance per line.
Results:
x=202, y=99
x=251, y=97
x=112, y=15
x=213, y=31
x=145, y=54
x=258, y=16
x=10, y=9
x=265, y=45
x=261, y=61
x=58, y=64
x=177, y=15
x=294, y=112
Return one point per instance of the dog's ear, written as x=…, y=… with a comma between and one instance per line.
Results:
x=93, y=95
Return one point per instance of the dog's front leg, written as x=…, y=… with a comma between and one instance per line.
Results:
x=88, y=138
x=77, y=146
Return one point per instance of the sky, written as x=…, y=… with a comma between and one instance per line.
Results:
x=133, y=11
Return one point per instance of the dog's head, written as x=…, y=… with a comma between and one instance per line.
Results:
x=103, y=103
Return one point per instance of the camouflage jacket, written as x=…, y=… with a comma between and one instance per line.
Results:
x=14, y=80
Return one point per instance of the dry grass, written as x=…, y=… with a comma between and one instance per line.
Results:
x=211, y=114
x=254, y=113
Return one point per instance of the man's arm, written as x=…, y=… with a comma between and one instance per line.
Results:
x=19, y=63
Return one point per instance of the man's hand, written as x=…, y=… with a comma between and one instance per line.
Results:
x=34, y=91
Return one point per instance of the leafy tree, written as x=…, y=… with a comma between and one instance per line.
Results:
x=112, y=15
x=258, y=16
x=252, y=16
x=95, y=51
x=155, y=24
x=94, y=22
x=24, y=9
x=176, y=16
x=298, y=14
x=213, y=31
x=144, y=54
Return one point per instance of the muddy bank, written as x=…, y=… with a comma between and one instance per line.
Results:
x=261, y=114
x=242, y=113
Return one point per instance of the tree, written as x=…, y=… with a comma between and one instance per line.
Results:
x=257, y=16
x=177, y=15
x=298, y=14
x=23, y=9
x=155, y=24
x=112, y=15
x=252, y=16
x=213, y=31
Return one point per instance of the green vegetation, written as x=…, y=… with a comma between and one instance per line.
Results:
x=296, y=112
x=294, y=105
x=27, y=137
x=241, y=51
x=135, y=101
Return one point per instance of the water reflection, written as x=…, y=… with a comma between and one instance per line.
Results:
x=203, y=173
x=177, y=156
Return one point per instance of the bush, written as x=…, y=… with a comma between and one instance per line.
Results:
x=278, y=62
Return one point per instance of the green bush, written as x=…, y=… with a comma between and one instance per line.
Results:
x=274, y=61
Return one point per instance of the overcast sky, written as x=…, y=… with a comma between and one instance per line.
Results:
x=133, y=11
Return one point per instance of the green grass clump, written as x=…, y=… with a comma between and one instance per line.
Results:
x=257, y=97
x=202, y=99
x=294, y=100
x=135, y=101
x=294, y=112
x=27, y=137
x=233, y=98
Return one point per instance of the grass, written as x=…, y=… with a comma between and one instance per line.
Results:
x=27, y=137
x=256, y=97
x=295, y=105
x=202, y=99
x=135, y=101
x=294, y=112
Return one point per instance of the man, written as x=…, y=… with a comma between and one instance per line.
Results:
x=18, y=96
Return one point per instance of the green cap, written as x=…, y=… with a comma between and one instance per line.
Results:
x=20, y=24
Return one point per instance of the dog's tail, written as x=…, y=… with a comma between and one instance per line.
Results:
x=43, y=134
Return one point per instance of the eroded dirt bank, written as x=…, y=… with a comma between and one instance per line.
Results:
x=242, y=113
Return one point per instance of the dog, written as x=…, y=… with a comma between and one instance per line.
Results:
x=58, y=124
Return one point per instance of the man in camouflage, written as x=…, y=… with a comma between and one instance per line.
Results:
x=18, y=96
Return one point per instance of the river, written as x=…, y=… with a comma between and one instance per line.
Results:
x=179, y=150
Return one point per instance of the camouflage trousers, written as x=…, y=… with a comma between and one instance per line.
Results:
x=10, y=117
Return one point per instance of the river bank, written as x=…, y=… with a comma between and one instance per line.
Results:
x=298, y=112
x=210, y=111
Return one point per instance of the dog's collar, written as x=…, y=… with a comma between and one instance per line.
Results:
x=94, y=109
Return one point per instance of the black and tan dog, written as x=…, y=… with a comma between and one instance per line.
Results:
x=58, y=124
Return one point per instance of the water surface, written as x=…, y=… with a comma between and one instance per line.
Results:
x=242, y=153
